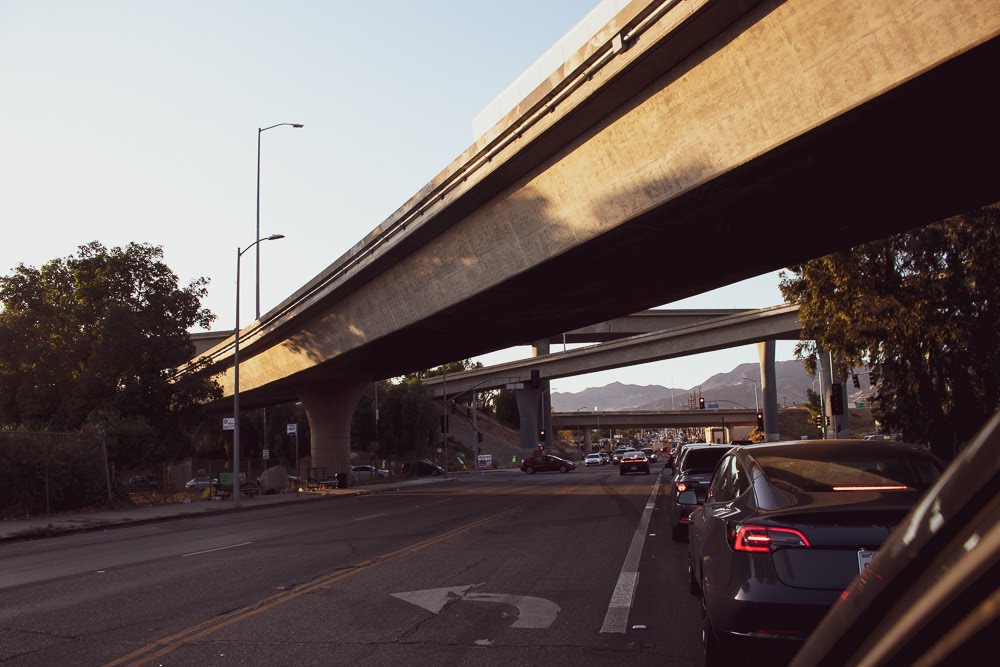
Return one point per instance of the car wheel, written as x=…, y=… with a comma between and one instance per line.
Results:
x=714, y=652
x=693, y=586
x=529, y=470
x=563, y=469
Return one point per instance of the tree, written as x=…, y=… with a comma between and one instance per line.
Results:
x=922, y=309
x=93, y=339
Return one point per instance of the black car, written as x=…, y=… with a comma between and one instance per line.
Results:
x=929, y=597
x=420, y=468
x=693, y=472
x=785, y=528
x=633, y=461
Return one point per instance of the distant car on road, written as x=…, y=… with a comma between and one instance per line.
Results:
x=650, y=454
x=546, y=463
x=593, y=460
x=616, y=456
x=605, y=457
x=633, y=461
x=421, y=468
x=785, y=529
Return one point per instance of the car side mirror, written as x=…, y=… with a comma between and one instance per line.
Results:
x=690, y=498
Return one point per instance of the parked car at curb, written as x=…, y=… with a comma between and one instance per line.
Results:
x=926, y=597
x=142, y=483
x=421, y=468
x=785, y=528
x=546, y=463
x=200, y=483
x=369, y=471
x=633, y=461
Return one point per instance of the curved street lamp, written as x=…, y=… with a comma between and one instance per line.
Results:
x=260, y=131
x=755, y=401
x=236, y=371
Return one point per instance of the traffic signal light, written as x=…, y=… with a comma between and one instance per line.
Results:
x=836, y=399
x=856, y=380
x=701, y=402
x=760, y=421
x=819, y=421
x=541, y=435
x=479, y=436
x=828, y=420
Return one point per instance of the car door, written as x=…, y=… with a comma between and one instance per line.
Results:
x=716, y=556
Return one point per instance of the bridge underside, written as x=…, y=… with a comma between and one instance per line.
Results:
x=914, y=155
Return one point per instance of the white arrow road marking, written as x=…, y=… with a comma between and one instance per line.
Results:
x=532, y=612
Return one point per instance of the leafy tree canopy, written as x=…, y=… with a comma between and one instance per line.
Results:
x=922, y=309
x=92, y=338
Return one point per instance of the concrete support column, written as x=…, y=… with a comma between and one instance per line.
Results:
x=539, y=348
x=527, y=406
x=586, y=440
x=330, y=408
x=824, y=369
x=769, y=390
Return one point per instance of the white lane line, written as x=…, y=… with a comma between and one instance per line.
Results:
x=616, y=620
x=368, y=517
x=208, y=551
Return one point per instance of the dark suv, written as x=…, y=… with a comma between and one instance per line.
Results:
x=692, y=473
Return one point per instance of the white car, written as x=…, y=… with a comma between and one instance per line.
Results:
x=593, y=460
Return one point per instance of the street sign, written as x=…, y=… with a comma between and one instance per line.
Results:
x=267, y=454
x=514, y=385
x=713, y=406
x=228, y=423
x=292, y=429
x=860, y=404
x=485, y=461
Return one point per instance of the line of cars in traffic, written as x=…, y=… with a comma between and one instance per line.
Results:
x=780, y=533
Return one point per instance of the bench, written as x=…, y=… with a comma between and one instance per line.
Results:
x=224, y=487
x=319, y=478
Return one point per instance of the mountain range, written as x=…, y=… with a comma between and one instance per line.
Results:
x=726, y=389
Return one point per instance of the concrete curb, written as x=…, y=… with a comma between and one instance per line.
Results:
x=52, y=529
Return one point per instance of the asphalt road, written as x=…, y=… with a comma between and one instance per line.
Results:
x=497, y=569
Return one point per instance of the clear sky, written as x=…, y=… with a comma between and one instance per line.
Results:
x=137, y=121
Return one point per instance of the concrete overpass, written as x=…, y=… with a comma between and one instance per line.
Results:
x=587, y=421
x=762, y=326
x=701, y=141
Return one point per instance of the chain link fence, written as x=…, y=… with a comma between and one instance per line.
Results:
x=46, y=472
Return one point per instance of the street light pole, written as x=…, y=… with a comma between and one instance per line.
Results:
x=236, y=371
x=261, y=131
x=756, y=403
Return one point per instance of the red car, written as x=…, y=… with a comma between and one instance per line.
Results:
x=546, y=463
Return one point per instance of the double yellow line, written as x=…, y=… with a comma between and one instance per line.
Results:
x=162, y=647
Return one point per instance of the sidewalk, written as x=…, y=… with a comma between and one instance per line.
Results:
x=75, y=522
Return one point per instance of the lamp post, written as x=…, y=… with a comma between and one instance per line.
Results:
x=236, y=371
x=260, y=131
x=755, y=401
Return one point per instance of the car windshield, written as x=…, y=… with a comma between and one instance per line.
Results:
x=802, y=471
x=702, y=460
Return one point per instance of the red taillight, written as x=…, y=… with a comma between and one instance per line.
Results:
x=763, y=539
x=681, y=487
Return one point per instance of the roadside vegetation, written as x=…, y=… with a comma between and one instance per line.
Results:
x=921, y=309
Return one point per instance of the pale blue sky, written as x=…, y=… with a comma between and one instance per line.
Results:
x=137, y=121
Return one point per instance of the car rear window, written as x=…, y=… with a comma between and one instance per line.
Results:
x=703, y=460
x=800, y=471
